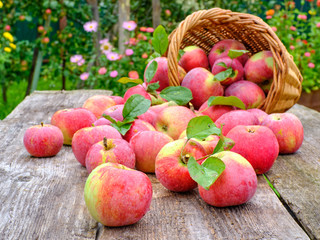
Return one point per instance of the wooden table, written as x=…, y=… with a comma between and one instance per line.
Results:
x=42, y=198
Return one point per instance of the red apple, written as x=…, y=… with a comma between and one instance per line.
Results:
x=214, y=112
x=221, y=49
x=101, y=121
x=48, y=11
x=118, y=99
x=257, y=144
x=248, y=92
x=202, y=85
x=146, y=145
x=236, y=185
x=234, y=118
x=43, y=140
x=288, y=129
x=173, y=120
x=84, y=138
x=236, y=66
x=138, y=126
x=116, y=195
x=110, y=150
x=258, y=113
x=115, y=112
x=98, y=104
x=139, y=89
x=161, y=75
x=171, y=166
x=7, y=28
x=193, y=57
x=40, y=29
x=259, y=67
x=71, y=120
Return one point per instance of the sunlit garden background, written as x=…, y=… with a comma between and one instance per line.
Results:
x=66, y=45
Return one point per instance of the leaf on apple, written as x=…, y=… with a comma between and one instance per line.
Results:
x=125, y=80
x=122, y=127
x=221, y=64
x=224, y=144
x=135, y=106
x=160, y=40
x=180, y=95
x=229, y=101
x=221, y=76
x=233, y=53
x=153, y=56
x=151, y=88
x=201, y=127
x=207, y=173
x=151, y=71
x=180, y=54
x=109, y=118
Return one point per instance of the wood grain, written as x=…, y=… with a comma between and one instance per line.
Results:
x=297, y=176
x=42, y=198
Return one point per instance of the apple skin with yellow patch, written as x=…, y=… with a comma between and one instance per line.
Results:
x=43, y=140
x=84, y=138
x=110, y=150
x=236, y=185
x=71, y=120
x=98, y=104
x=193, y=57
x=116, y=195
x=171, y=165
x=288, y=129
x=214, y=112
x=257, y=144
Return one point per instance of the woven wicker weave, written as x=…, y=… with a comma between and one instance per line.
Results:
x=206, y=27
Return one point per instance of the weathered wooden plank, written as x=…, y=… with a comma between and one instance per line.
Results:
x=186, y=216
x=297, y=176
x=42, y=198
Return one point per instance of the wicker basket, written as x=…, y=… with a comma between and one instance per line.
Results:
x=206, y=27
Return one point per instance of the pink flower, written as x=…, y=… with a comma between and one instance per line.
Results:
x=133, y=41
x=129, y=25
x=167, y=12
x=291, y=47
x=293, y=28
x=274, y=29
x=105, y=47
x=143, y=29
x=91, y=26
x=150, y=30
x=268, y=17
x=114, y=73
x=311, y=65
x=129, y=52
x=84, y=76
x=102, y=71
x=307, y=54
x=76, y=58
x=81, y=62
x=112, y=56
x=318, y=25
x=103, y=41
x=144, y=55
x=133, y=75
x=302, y=17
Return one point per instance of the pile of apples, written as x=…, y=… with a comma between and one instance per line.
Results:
x=119, y=139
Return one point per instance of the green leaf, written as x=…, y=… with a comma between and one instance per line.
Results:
x=233, y=53
x=151, y=71
x=129, y=80
x=224, y=144
x=221, y=64
x=152, y=87
x=180, y=54
x=207, y=173
x=122, y=128
x=201, y=127
x=153, y=56
x=160, y=40
x=135, y=106
x=180, y=95
x=221, y=76
x=109, y=118
x=228, y=101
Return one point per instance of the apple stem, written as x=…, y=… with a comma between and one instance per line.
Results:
x=105, y=143
x=185, y=159
x=184, y=146
x=191, y=107
x=41, y=124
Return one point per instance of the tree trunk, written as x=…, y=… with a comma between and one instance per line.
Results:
x=156, y=13
x=62, y=25
x=4, y=93
x=33, y=66
x=97, y=35
x=124, y=15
